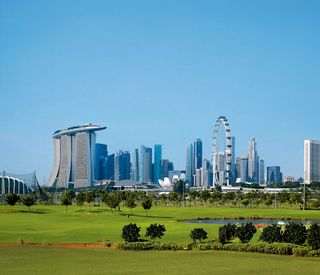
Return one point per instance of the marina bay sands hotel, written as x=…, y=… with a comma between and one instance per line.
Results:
x=74, y=156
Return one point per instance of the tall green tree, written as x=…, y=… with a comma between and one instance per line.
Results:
x=66, y=199
x=28, y=201
x=80, y=198
x=89, y=198
x=155, y=231
x=147, y=204
x=12, y=199
x=130, y=202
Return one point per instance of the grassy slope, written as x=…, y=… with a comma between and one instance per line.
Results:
x=51, y=223
x=54, y=260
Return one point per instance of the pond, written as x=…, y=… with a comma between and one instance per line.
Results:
x=253, y=221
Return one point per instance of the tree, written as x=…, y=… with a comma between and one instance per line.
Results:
x=28, y=201
x=89, y=197
x=194, y=194
x=130, y=203
x=66, y=199
x=155, y=231
x=131, y=232
x=198, y=234
x=80, y=198
x=271, y=234
x=205, y=195
x=313, y=238
x=179, y=187
x=245, y=202
x=12, y=199
x=245, y=232
x=147, y=204
x=268, y=202
x=173, y=196
x=295, y=233
x=227, y=232
x=113, y=201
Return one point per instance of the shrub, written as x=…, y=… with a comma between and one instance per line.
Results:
x=198, y=234
x=131, y=232
x=313, y=238
x=149, y=246
x=245, y=232
x=301, y=251
x=155, y=231
x=227, y=232
x=271, y=233
x=295, y=233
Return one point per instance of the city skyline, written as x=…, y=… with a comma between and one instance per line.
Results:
x=159, y=74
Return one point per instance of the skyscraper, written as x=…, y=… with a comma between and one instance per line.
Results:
x=243, y=168
x=197, y=147
x=311, y=161
x=274, y=175
x=189, y=164
x=261, y=171
x=145, y=164
x=74, y=156
x=109, y=172
x=121, y=165
x=135, y=165
x=253, y=165
x=157, y=162
x=233, y=160
x=100, y=153
x=206, y=173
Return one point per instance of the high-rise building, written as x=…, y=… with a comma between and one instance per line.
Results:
x=198, y=178
x=206, y=173
x=157, y=162
x=135, y=165
x=190, y=164
x=164, y=168
x=243, y=165
x=74, y=156
x=100, y=154
x=197, y=147
x=121, y=166
x=274, y=175
x=109, y=164
x=253, y=165
x=233, y=160
x=145, y=164
x=261, y=171
x=311, y=161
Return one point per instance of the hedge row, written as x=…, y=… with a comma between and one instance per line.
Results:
x=149, y=246
x=266, y=248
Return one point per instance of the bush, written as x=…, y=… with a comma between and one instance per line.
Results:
x=155, y=231
x=295, y=233
x=130, y=232
x=198, y=234
x=313, y=238
x=227, y=232
x=271, y=234
x=245, y=232
x=149, y=246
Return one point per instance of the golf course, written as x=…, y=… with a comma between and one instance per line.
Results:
x=25, y=239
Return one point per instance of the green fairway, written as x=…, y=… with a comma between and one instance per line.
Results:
x=54, y=260
x=51, y=224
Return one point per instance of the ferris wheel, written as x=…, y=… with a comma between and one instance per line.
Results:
x=222, y=160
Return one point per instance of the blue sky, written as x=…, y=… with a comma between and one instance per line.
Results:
x=159, y=72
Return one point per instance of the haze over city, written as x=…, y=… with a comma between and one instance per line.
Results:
x=159, y=73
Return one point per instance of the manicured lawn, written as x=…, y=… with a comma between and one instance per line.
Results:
x=51, y=224
x=56, y=260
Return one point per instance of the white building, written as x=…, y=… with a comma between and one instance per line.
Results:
x=311, y=161
x=74, y=156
